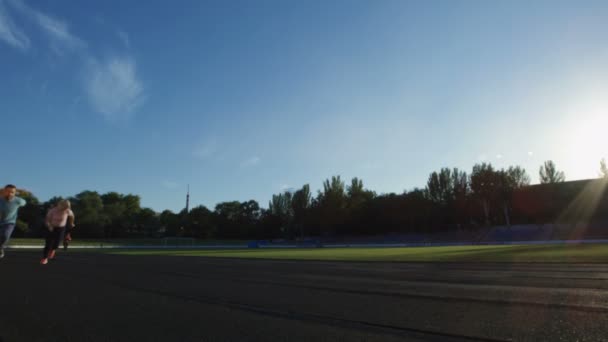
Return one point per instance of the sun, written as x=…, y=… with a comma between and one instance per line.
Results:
x=586, y=143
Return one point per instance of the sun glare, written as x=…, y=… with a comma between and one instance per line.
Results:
x=586, y=143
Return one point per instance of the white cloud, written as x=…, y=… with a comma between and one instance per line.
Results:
x=499, y=156
x=10, y=33
x=253, y=161
x=57, y=30
x=113, y=87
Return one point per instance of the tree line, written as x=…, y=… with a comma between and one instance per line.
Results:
x=451, y=200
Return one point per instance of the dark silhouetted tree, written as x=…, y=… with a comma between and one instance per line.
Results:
x=301, y=204
x=484, y=185
x=549, y=174
x=508, y=181
x=281, y=207
x=440, y=187
x=332, y=205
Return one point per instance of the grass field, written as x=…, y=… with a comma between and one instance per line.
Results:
x=513, y=253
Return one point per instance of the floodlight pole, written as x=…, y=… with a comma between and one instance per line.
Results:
x=188, y=199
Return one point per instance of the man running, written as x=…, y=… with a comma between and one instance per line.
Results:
x=9, y=205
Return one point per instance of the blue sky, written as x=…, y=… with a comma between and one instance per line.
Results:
x=242, y=99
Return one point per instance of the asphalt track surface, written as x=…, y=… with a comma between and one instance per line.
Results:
x=98, y=297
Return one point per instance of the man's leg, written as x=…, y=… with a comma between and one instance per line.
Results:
x=5, y=235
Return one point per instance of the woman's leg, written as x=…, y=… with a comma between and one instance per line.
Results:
x=67, y=236
x=48, y=241
x=62, y=235
x=57, y=234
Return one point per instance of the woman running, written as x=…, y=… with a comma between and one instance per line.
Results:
x=56, y=220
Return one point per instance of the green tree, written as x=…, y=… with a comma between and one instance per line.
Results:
x=122, y=212
x=170, y=222
x=249, y=211
x=237, y=220
x=91, y=219
x=132, y=207
x=52, y=202
x=31, y=216
x=227, y=218
x=114, y=211
x=21, y=228
x=357, y=196
x=281, y=205
x=148, y=222
x=200, y=222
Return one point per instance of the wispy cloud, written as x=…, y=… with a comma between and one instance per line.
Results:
x=111, y=84
x=113, y=87
x=61, y=39
x=253, y=161
x=9, y=32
